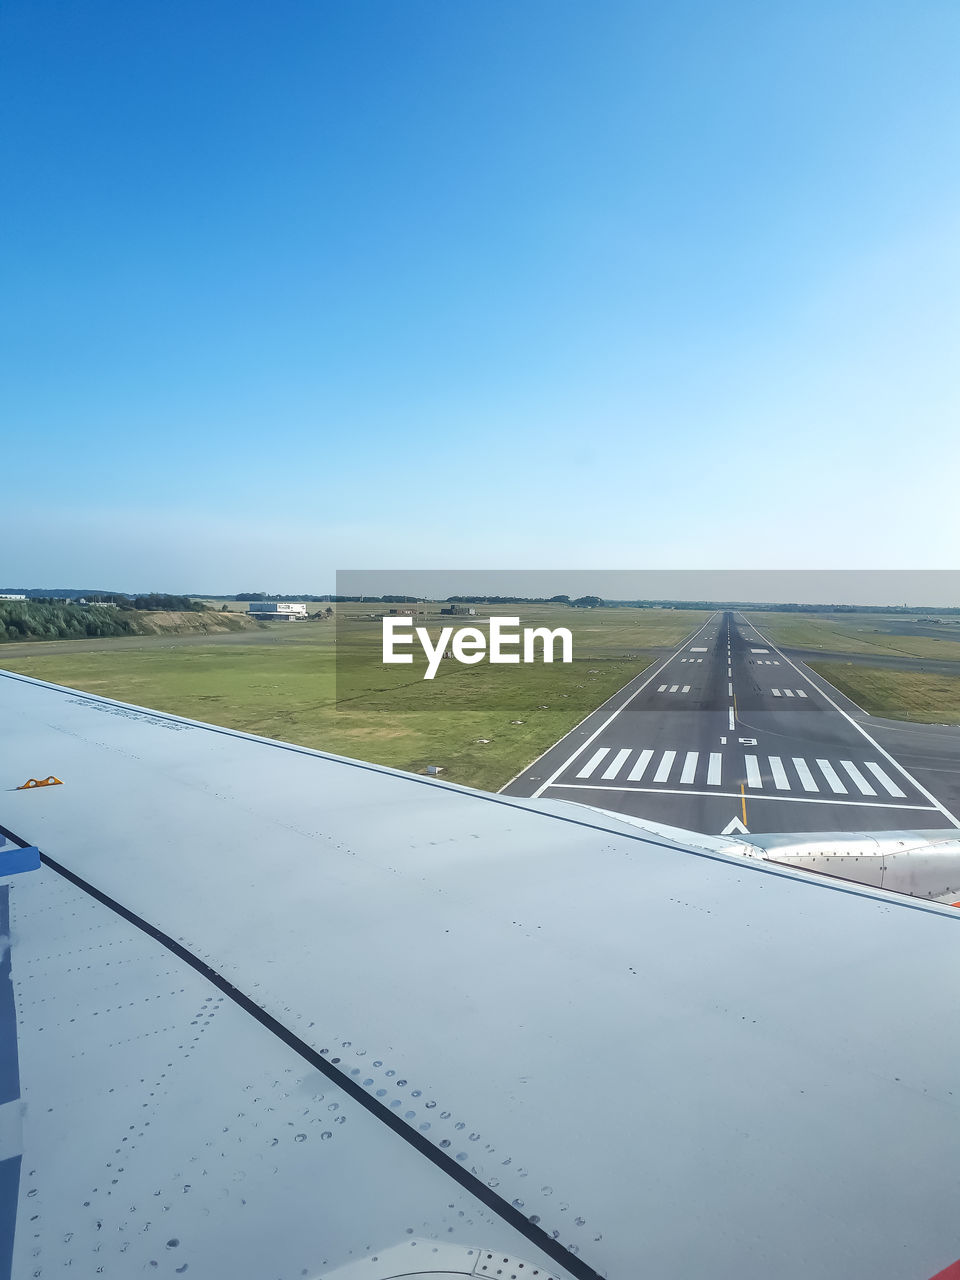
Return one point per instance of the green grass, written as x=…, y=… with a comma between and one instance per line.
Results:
x=286, y=686
x=920, y=696
x=853, y=633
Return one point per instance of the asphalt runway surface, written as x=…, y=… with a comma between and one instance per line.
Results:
x=729, y=734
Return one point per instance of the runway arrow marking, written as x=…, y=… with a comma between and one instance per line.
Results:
x=734, y=827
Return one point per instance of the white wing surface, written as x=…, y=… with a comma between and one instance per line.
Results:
x=281, y=1014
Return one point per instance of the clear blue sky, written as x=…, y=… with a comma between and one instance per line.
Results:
x=289, y=287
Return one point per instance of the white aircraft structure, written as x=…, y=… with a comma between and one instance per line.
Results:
x=271, y=1014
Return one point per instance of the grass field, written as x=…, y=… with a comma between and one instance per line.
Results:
x=285, y=686
x=897, y=695
x=857, y=633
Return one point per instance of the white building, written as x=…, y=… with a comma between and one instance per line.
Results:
x=278, y=609
x=11, y=597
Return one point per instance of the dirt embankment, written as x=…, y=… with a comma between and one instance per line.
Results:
x=161, y=622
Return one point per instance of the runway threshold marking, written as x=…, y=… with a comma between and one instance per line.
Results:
x=885, y=780
x=736, y=795
x=806, y=777
x=592, y=763
x=548, y=782
x=616, y=764
x=614, y=760
x=666, y=764
x=638, y=770
x=780, y=780
x=859, y=780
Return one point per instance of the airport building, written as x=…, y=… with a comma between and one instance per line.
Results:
x=278, y=609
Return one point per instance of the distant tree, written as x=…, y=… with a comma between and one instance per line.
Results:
x=174, y=604
x=587, y=602
x=559, y=600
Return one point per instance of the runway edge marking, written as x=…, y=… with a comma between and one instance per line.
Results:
x=937, y=804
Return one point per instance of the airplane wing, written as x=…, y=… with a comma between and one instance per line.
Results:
x=269, y=1013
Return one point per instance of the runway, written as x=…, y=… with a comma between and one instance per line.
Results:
x=727, y=734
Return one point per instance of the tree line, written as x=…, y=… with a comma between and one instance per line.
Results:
x=48, y=619
x=151, y=602
x=37, y=620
